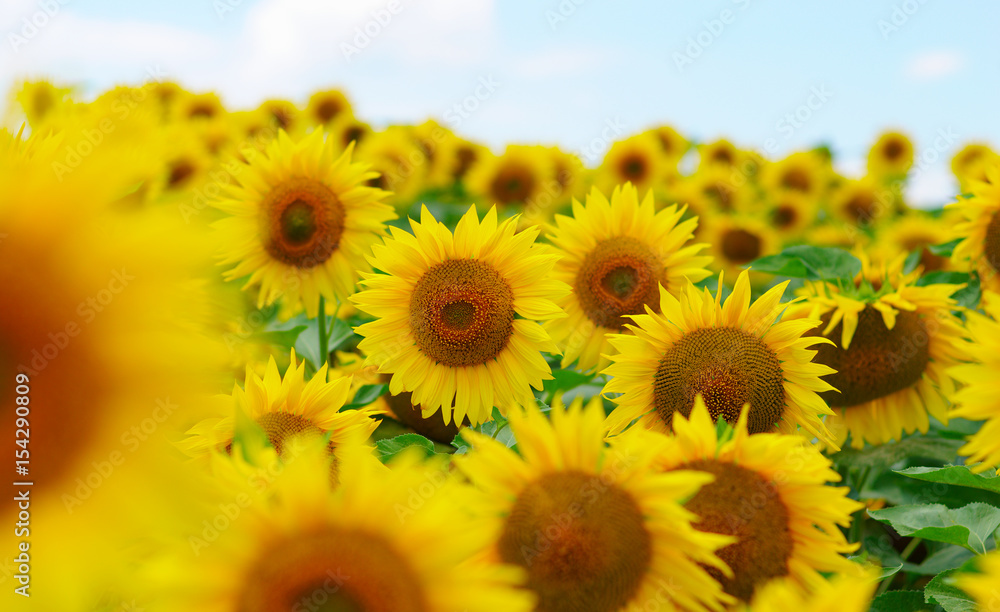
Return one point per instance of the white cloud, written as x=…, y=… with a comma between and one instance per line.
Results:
x=933, y=65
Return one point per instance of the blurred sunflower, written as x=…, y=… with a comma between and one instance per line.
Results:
x=722, y=187
x=732, y=354
x=673, y=144
x=285, y=408
x=39, y=100
x=914, y=232
x=862, y=203
x=594, y=527
x=980, y=229
x=971, y=162
x=463, y=155
x=791, y=214
x=346, y=129
x=770, y=491
x=891, y=343
x=805, y=173
x=616, y=255
x=977, y=399
x=518, y=177
x=891, y=156
x=850, y=592
x=370, y=544
x=326, y=106
x=282, y=114
x=187, y=107
x=736, y=241
x=719, y=153
x=638, y=160
x=456, y=314
x=982, y=586
x=300, y=222
x=401, y=164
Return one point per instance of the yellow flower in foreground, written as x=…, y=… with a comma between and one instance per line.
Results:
x=770, y=490
x=594, y=527
x=842, y=593
x=980, y=230
x=985, y=586
x=732, y=354
x=456, y=314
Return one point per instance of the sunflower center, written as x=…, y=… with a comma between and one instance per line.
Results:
x=280, y=426
x=879, y=362
x=462, y=312
x=991, y=246
x=337, y=570
x=723, y=155
x=893, y=150
x=634, y=168
x=740, y=246
x=741, y=503
x=861, y=207
x=513, y=183
x=928, y=260
x=180, y=171
x=582, y=541
x=784, y=217
x=306, y=222
x=729, y=368
x=327, y=110
x=617, y=278
x=796, y=179
x=464, y=158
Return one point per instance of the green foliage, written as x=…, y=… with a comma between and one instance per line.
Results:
x=900, y=601
x=366, y=395
x=390, y=447
x=958, y=475
x=941, y=591
x=885, y=456
x=306, y=343
x=811, y=263
x=967, y=297
x=970, y=526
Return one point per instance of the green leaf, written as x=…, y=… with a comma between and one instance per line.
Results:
x=498, y=429
x=941, y=591
x=248, y=436
x=460, y=444
x=900, y=601
x=307, y=341
x=944, y=249
x=912, y=260
x=947, y=558
x=969, y=526
x=285, y=338
x=890, y=571
x=340, y=333
x=955, y=475
x=885, y=455
x=564, y=380
x=390, y=447
x=366, y=395
x=810, y=262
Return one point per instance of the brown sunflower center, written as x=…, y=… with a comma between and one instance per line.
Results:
x=180, y=171
x=327, y=110
x=740, y=246
x=582, y=540
x=721, y=192
x=741, y=503
x=729, y=368
x=410, y=414
x=784, y=216
x=723, y=155
x=617, y=278
x=462, y=312
x=634, y=168
x=893, y=150
x=513, y=183
x=796, y=179
x=928, y=260
x=280, y=426
x=464, y=158
x=354, y=134
x=306, y=222
x=337, y=570
x=860, y=207
x=991, y=245
x=879, y=362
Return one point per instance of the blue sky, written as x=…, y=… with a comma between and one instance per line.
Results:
x=562, y=71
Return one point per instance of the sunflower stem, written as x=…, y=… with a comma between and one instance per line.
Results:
x=324, y=339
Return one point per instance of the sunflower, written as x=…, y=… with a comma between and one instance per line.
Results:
x=39, y=100
x=891, y=343
x=383, y=540
x=862, y=203
x=638, y=160
x=455, y=314
x=805, y=173
x=977, y=399
x=732, y=354
x=971, y=162
x=616, y=255
x=851, y=592
x=400, y=161
x=791, y=214
x=770, y=490
x=569, y=174
x=346, y=129
x=719, y=153
x=518, y=177
x=325, y=107
x=282, y=114
x=980, y=229
x=594, y=527
x=301, y=221
x=982, y=586
x=724, y=188
x=673, y=144
x=284, y=408
x=912, y=233
x=891, y=156
x=463, y=156
x=736, y=241
x=197, y=107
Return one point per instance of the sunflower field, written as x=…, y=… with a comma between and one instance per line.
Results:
x=281, y=360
